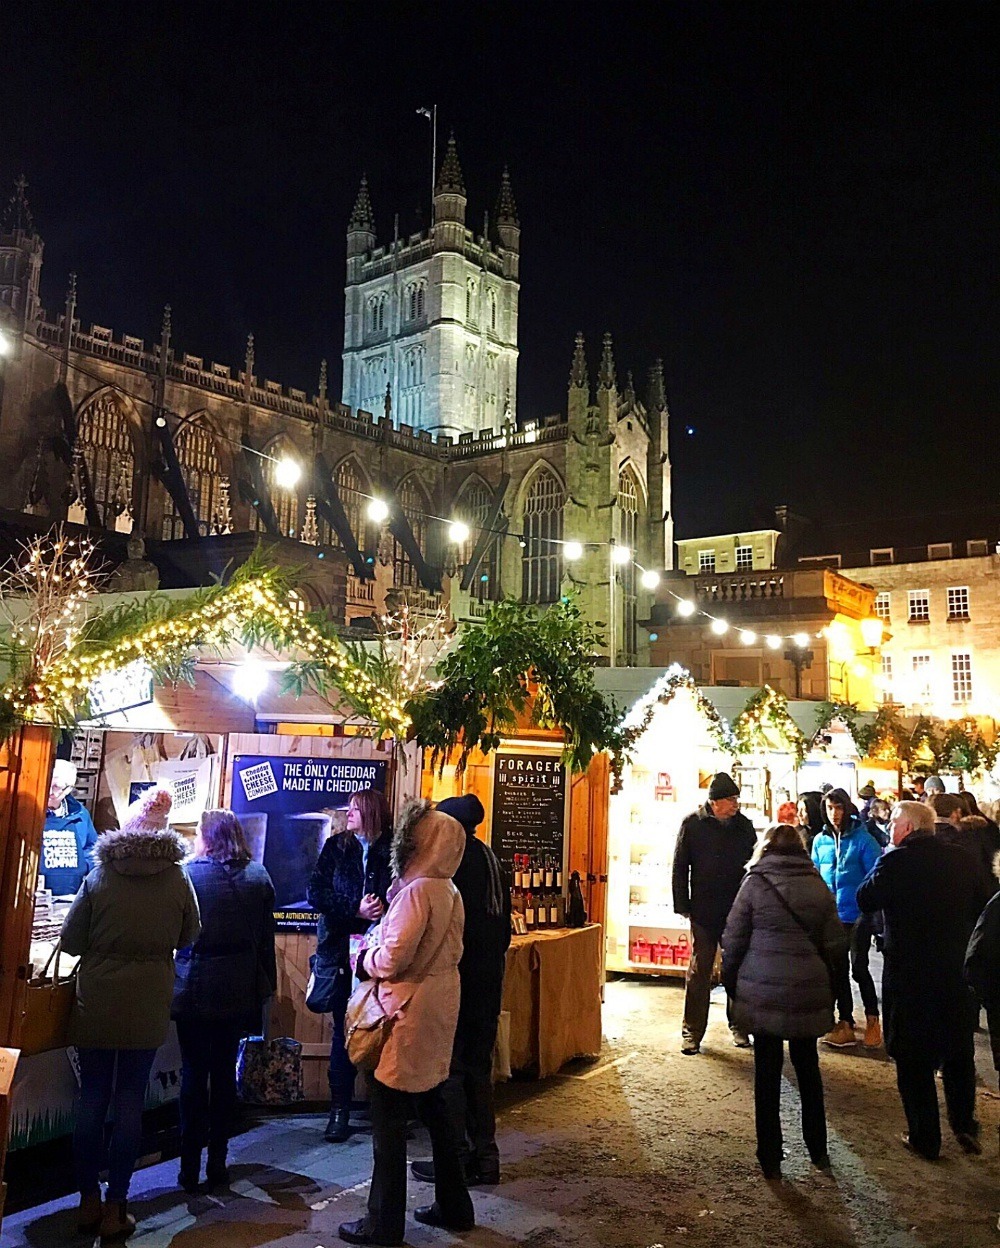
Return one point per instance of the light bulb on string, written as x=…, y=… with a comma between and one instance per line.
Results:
x=747, y=636
x=773, y=641
x=685, y=607
x=572, y=551
x=720, y=627
x=621, y=554
x=378, y=510
x=287, y=473
x=650, y=579
x=801, y=640
x=458, y=532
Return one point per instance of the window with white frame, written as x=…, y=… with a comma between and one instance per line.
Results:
x=939, y=550
x=919, y=603
x=887, y=677
x=961, y=677
x=883, y=601
x=883, y=555
x=921, y=677
x=706, y=560
x=744, y=558
x=958, y=602
x=978, y=546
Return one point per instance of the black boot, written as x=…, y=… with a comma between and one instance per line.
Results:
x=216, y=1170
x=189, y=1175
x=338, y=1127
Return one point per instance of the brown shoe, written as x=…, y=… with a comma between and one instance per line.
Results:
x=88, y=1216
x=873, y=1032
x=117, y=1222
x=842, y=1036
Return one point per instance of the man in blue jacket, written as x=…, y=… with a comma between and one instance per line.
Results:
x=844, y=853
x=69, y=836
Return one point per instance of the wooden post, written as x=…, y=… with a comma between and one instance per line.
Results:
x=25, y=774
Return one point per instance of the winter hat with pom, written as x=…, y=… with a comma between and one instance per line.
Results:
x=149, y=812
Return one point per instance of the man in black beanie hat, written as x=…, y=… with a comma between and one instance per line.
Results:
x=713, y=847
x=468, y=1090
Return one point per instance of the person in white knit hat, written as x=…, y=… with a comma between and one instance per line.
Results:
x=133, y=910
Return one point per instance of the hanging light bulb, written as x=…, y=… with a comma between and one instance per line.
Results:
x=719, y=627
x=572, y=551
x=747, y=636
x=458, y=532
x=621, y=554
x=378, y=510
x=773, y=641
x=685, y=607
x=287, y=473
x=650, y=579
x=250, y=679
x=801, y=640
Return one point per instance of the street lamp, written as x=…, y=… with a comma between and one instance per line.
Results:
x=872, y=631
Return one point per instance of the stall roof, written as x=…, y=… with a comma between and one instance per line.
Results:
x=628, y=684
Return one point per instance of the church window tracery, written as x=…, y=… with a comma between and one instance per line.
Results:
x=541, y=561
x=415, y=506
x=474, y=504
x=415, y=295
x=286, y=503
x=202, y=473
x=628, y=535
x=105, y=439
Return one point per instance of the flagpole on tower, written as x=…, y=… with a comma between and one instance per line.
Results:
x=432, y=116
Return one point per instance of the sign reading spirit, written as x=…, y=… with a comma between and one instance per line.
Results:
x=529, y=806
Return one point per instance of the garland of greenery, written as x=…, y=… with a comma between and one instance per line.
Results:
x=768, y=709
x=518, y=661
x=674, y=679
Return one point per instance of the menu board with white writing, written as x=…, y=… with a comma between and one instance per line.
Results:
x=529, y=803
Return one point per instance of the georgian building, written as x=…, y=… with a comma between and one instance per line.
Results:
x=128, y=436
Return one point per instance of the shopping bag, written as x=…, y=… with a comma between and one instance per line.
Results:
x=269, y=1072
x=367, y=1027
x=47, y=1008
x=324, y=976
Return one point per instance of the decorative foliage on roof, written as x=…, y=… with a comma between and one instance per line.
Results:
x=674, y=679
x=764, y=719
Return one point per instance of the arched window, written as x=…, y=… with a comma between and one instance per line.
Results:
x=374, y=381
x=286, y=503
x=471, y=311
x=415, y=506
x=628, y=535
x=202, y=473
x=473, y=506
x=541, y=561
x=415, y=301
x=105, y=439
x=376, y=314
x=411, y=398
x=353, y=487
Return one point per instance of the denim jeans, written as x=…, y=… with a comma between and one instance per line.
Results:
x=115, y=1079
x=208, y=1085
x=342, y=1073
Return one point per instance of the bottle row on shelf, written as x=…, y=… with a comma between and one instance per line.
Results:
x=531, y=912
x=537, y=874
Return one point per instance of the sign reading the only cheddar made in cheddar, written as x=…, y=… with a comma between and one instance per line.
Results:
x=529, y=804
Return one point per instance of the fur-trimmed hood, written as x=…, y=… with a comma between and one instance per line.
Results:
x=140, y=853
x=426, y=842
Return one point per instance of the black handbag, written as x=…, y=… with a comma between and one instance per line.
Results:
x=321, y=989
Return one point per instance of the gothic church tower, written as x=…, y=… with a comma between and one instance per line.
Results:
x=433, y=317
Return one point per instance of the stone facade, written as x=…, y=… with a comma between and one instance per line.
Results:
x=124, y=435
x=729, y=552
x=432, y=318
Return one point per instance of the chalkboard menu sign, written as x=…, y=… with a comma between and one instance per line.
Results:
x=529, y=802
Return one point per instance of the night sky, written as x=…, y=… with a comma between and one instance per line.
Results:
x=794, y=205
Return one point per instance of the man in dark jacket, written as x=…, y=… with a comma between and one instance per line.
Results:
x=930, y=900
x=468, y=1091
x=713, y=847
x=69, y=836
x=950, y=826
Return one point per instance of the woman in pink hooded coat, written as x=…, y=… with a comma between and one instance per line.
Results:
x=414, y=954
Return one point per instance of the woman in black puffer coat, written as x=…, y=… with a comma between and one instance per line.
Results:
x=782, y=935
x=222, y=982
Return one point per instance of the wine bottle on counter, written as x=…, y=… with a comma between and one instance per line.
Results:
x=529, y=912
x=536, y=873
x=550, y=874
x=554, y=910
x=559, y=878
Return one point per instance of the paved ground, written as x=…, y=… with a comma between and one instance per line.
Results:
x=644, y=1149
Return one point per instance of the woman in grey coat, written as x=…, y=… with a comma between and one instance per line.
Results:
x=129, y=916
x=782, y=936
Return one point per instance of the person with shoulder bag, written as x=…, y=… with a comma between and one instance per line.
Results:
x=223, y=981
x=348, y=889
x=782, y=939
x=132, y=911
x=412, y=957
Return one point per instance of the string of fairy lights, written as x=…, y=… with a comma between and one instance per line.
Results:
x=287, y=474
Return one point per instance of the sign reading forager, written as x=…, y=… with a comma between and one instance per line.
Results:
x=288, y=807
x=529, y=803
